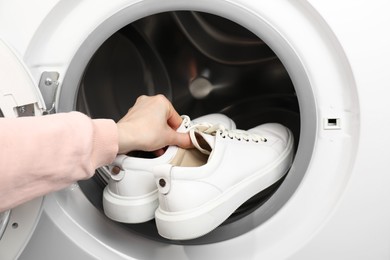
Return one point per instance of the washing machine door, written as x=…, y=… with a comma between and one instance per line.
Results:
x=19, y=96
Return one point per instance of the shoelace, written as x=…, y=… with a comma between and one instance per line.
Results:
x=186, y=121
x=216, y=129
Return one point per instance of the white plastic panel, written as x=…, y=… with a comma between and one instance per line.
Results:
x=18, y=94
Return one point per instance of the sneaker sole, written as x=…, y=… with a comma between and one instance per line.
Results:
x=130, y=209
x=195, y=223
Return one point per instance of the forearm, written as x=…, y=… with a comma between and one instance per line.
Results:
x=45, y=154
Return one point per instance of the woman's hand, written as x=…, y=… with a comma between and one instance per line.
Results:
x=150, y=125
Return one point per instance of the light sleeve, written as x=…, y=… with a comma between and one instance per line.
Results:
x=43, y=154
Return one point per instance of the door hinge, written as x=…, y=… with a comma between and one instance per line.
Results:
x=48, y=85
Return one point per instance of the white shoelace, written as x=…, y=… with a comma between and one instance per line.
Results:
x=213, y=130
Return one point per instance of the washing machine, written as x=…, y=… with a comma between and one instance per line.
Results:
x=319, y=67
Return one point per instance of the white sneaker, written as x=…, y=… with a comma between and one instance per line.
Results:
x=131, y=195
x=195, y=200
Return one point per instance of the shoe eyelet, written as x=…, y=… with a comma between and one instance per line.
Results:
x=162, y=183
x=265, y=140
x=115, y=170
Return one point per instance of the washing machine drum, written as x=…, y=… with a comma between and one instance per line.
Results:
x=204, y=64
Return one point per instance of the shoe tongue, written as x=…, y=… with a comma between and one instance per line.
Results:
x=205, y=141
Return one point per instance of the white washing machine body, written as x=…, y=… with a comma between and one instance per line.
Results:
x=334, y=203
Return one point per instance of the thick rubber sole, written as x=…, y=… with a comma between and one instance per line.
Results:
x=129, y=209
x=191, y=224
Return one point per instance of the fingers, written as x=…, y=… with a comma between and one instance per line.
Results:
x=182, y=140
x=185, y=141
x=150, y=125
x=174, y=119
x=159, y=152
